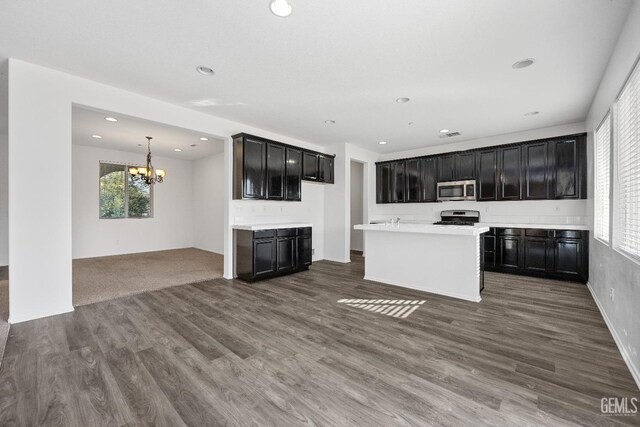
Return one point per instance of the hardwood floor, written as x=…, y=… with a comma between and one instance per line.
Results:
x=285, y=352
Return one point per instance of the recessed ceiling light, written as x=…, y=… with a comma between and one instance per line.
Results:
x=330, y=122
x=96, y=136
x=281, y=8
x=204, y=138
x=382, y=142
x=523, y=64
x=402, y=100
x=532, y=113
x=444, y=131
x=205, y=71
x=177, y=150
x=111, y=119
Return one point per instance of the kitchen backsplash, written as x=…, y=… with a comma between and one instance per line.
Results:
x=570, y=212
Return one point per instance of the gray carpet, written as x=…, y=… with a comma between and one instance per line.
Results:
x=105, y=278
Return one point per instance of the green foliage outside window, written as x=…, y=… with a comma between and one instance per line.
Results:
x=118, y=200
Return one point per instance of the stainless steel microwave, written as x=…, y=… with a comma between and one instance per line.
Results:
x=456, y=190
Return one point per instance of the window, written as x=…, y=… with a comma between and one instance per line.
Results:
x=626, y=226
x=121, y=196
x=602, y=179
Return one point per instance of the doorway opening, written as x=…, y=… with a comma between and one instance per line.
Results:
x=357, y=204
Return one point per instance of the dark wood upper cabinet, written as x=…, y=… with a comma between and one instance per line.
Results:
x=568, y=157
x=293, y=174
x=428, y=179
x=249, y=164
x=465, y=165
x=509, y=173
x=535, y=171
x=486, y=174
x=383, y=180
x=325, y=169
x=310, y=166
x=398, y=182
x=447, y=167
x=275, y=171
x=413, y=190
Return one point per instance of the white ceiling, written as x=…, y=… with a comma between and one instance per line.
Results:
x=334, y=59
x=128, y=134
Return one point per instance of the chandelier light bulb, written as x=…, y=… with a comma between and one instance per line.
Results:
x=280, y=8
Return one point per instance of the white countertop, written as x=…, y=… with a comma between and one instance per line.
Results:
x=254, y=227
x=544, y=226
x=462, y=230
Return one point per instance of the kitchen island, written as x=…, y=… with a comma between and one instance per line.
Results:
x=442, y=259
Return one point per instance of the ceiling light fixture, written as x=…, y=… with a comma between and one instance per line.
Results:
x=96, y=136
x=532, y=113
x=204, y=138
x=523, y=64
x=177, y=150
x=444, y=131
x=330, y=122
x=147, y=174
x=402, y=100
x=281, y=8
x=111, y=119
x=205, y=71
x=382, y=142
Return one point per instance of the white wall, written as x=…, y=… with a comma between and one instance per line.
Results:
x=40, y=246
x=4, y=200
x=208, y=203
x=357, y=195
x=608, y=269
x=171, y=226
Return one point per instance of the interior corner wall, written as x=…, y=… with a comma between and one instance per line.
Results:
x=40, y=243
x=208, y=203
x=4, y=200
x=609, y=269
x=170, y=227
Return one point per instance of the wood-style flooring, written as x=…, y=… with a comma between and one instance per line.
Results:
x=285, y=352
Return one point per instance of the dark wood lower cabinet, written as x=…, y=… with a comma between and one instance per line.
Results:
x=555, y=254
x=263, y=254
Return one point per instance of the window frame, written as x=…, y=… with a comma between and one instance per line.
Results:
x=126, y=192
x=615, y=206
x=610, y=117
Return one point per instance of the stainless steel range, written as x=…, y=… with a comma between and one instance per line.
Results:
x=461, y=217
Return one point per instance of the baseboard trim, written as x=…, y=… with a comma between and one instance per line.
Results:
x=623, y=351
x=13, y=320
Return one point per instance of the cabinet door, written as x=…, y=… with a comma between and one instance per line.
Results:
x=489, y=243
x=536, y=255
x=383, y=183
x=293, y=174
x=325, y=169
x=446, y=167
x=535, y=171
x=487, y=164
x=304, y=251
x=412, y=181
x=566, y=169
x=398, y=182
x=428, y=179
x=465, y=166
x=275, y=171
x=254, y=159
x=264, y=257
x=310, y=166
x=509, y=173
x=286, y=254
x=509, y=252
x=567, y=257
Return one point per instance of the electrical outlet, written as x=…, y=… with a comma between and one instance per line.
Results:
x=611, y=294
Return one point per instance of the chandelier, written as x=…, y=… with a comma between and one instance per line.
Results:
x=147, y=174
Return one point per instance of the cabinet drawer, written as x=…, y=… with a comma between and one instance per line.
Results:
x=509, y=231
x=286, y=232
x=536, y=232
x=569, y=234
x=304, y=231
x=264, y=234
